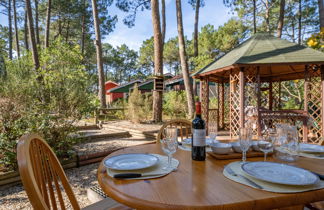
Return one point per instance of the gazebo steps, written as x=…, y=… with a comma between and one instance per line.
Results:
x=151, y=134
x=101, y=134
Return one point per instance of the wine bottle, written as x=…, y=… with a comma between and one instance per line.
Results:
x=198, y=149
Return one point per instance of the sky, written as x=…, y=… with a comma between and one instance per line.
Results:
x=214, y=12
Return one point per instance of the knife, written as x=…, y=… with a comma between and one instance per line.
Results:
x=133, y=175
x=231, y=172
x=320, y=176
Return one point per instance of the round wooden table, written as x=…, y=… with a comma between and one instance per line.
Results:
x=200, y=185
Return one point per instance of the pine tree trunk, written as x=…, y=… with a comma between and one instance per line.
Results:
x=158, y=59
x=299, y=21
x=36, y=22
x=321, y=12
x=293, y=30
x=26, y=30
x=281, y=18
x=67, y=31
x=101, y=76
x=16, y=28
x=163, y=21
x=10, y=29
x=196, y=40
x=196, y=28
x=254, y=17
x=83, y=29
x=32, y=34
x=48, y=22
x=267, y=16
x=183, y=60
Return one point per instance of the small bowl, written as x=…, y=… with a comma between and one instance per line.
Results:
x=237, y=148
x=186, y=142
x=255, y=146
x=221, y=148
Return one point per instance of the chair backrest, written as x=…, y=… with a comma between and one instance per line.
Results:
x=42, y=174
x=184, y=128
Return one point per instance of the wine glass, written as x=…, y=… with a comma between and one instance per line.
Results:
x=212, y=131
x=169, y=145
x=245, y=140
x=265, y=144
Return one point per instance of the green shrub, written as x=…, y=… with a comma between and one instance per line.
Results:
x=147, y=108
x=47, y=101
x=175, y=104
x=134, y=107
x=139, y=106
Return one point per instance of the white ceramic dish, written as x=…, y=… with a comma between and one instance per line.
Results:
x=131, y=161
x=236, y=147
x=221, y=148
x=255, y=146
x=186, y=142
x=311, y=148
x=279, y=173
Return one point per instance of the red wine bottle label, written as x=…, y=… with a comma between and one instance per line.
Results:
x=199, y=137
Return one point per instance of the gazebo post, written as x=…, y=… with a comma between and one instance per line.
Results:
x=242, y=96
x=205, y=98
x=258, y=100
x=270, y=95
x=305, y=129
x=322, y=98
x=221, y=104
x=279, y=97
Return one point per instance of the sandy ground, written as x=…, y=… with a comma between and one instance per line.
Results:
x=81, y=178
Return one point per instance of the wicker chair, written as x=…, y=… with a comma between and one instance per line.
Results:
x=44, y=179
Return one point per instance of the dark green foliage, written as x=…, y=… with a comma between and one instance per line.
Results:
x=49, y=106
x=121, y=64
x=132, y=7
x=175, y=104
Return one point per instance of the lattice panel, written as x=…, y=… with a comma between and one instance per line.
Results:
x=227, y=107
x=264, y=95
x=250, y=89
x=250, y=92
x=276, y=89
x=234, y=104
x=221, y=104
x=314, y=105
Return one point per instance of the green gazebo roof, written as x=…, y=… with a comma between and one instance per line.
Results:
x=265, y=50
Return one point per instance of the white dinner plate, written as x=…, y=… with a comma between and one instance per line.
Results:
x=131, y=161
x=279, y=173
x=311, y=148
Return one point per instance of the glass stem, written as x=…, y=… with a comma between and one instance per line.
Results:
x=169, y=160
x=244, y=156
x=265, y=157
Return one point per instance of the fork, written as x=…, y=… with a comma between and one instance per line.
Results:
x=231, y=172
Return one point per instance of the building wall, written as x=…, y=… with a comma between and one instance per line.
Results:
x=110, y=97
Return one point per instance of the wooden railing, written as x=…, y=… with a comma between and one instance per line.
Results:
x=287, y=116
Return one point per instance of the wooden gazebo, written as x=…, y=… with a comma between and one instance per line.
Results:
x=261, y=64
